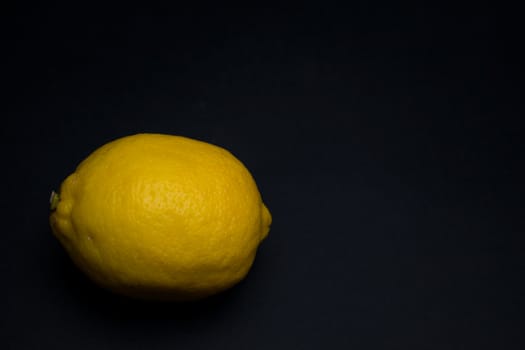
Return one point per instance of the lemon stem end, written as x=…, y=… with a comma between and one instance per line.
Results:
x=53, y=200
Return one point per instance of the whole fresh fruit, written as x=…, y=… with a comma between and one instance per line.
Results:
x=161, y=217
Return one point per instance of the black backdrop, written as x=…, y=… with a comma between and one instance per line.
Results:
x=386, y=142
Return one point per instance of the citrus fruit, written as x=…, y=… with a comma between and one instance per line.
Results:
x=161, y=217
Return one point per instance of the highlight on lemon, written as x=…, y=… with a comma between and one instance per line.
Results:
x=162, y=217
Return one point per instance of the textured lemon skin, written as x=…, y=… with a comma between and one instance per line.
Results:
x=161, y=217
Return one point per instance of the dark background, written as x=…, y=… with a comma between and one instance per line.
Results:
x=386, y=142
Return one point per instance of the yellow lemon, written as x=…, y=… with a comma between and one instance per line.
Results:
x=161, y=217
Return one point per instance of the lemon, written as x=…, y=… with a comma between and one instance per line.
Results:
x=161, y=217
